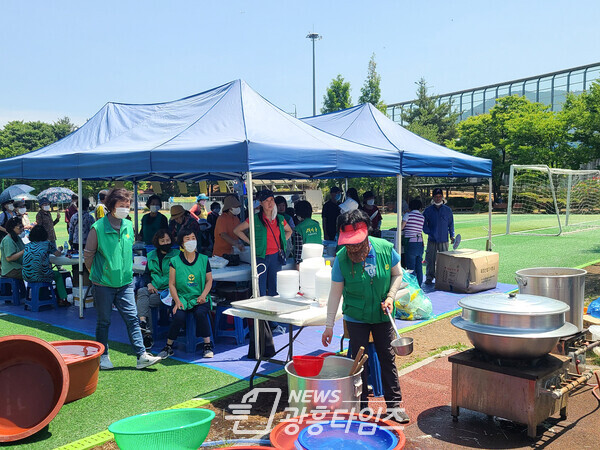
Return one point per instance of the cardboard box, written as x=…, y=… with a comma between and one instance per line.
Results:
x=466, y=270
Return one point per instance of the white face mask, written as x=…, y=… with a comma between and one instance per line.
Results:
x=438, y=203
x=235, y=211
x=46, y=207
x=371, y=202
x=10, y=207
x=22, y=211
x=154, y=208
x=190, y=246
x=121, y=213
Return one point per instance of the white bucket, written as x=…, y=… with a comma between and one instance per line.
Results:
x=288, y=282
x=308, y=272
x=311, y=251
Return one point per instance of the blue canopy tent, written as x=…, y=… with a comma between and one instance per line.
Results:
x=365, y=124
x=228, y=132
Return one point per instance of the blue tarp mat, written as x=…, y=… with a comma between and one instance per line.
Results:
x=365, y=124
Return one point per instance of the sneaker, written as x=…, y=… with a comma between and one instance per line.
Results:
x=148, y=340
x=146, y=360
x=166, y=352
x=143, y=326
x=106, y=363
x=428, y=281
x=208, y=352
x=279, y=330
x=398, y=415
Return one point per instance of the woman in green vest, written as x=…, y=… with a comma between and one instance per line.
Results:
x=190, y=281
x=271, y=233
x=307, y=231
x=367, y=273
x=109, y=258
x=156, y=280
x=153, y=221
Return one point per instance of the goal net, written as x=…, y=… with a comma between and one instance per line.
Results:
x=548, y=201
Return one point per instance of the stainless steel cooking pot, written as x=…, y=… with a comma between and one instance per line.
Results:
x=514, y=325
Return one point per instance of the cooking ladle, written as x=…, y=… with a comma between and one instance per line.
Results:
x=402, y=346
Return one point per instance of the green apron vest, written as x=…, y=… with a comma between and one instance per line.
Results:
x=190, y=280
x=159, y=273
x=310, y=230
x=362, y=294
x=113, y=261
x=261, y=231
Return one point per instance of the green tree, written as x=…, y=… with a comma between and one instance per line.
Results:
x=337, y=96
x=581, y=114
x=427, y=115
x=63, y=127
x=371, y=91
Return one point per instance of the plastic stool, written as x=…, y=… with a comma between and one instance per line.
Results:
x=33, y=301
x=161, y=313
x=189, y=339
x=375, y=372
x=240, y=330
x=17, y=290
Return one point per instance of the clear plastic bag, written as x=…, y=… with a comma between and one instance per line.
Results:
x=414, y=304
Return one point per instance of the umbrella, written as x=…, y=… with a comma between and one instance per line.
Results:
x=57, y=194
x=13, y=191
x=25, y=197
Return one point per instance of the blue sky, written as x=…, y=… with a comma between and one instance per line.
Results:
x=68, y=58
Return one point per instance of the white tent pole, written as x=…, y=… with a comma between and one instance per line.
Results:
x=82, y=291
x=398, y=213
x=490, y=205
x=345, y=186
x=135, y=207
x=255, y=290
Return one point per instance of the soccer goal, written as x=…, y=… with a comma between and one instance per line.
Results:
x=546, y=201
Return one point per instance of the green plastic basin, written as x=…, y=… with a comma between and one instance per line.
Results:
x=184, y=428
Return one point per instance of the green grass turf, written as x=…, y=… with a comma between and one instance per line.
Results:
x=122, y=392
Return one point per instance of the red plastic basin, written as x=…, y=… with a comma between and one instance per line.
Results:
x=83, y=361
x=34, y=380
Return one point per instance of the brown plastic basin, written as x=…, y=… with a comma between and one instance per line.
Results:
x=83, y=361
x=34, y=380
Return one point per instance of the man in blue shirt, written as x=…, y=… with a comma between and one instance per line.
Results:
x=439, y=223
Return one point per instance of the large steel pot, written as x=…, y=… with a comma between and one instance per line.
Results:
x=560, y=283
x=333, y=388
x=514, y=325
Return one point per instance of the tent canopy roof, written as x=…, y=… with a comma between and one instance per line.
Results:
x=365, y=124
x=218, y=134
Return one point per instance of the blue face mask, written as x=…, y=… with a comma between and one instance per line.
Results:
x=338, y=197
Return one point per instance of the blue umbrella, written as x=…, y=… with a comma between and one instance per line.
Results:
x=13, y=191
x=57, y=194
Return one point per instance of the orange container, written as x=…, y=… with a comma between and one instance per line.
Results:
x=34, y=380
x=83, y=360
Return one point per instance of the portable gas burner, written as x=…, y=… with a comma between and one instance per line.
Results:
x=524, y=392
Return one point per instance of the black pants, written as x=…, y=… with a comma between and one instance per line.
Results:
x=383, y=335
x=200, y=313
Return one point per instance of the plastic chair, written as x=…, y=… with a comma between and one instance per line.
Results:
x=160, y=321
x=17, y=290
x=374, y=378
x=189, y=338
x=33, y=301
x=240, y=328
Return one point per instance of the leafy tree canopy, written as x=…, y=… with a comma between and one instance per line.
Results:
x=371, y=91
x=337, y=96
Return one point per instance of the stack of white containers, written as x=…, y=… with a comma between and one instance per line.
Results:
x=308, y=274
x=287, y=283
x=323, y=284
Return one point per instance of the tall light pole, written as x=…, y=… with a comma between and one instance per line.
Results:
x=313, y=37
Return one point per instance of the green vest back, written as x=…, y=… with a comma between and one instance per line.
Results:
x=159, y=273
x=362, y=294
x=310, y=230
x=190, y=280
x=113, y=262
x=261, y=231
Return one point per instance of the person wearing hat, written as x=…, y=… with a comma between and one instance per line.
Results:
x=438, y=225
x=153, y=221
x=225, y=238
x=330, y=213
x=21, y=211
x=367, y=273
x=198, y=211
x=307, y=231
x=44, y=218
x=180, y=218
x=272, y=232
x=8, y=212
x=373, y=212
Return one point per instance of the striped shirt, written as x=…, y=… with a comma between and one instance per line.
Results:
x=414, y=226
